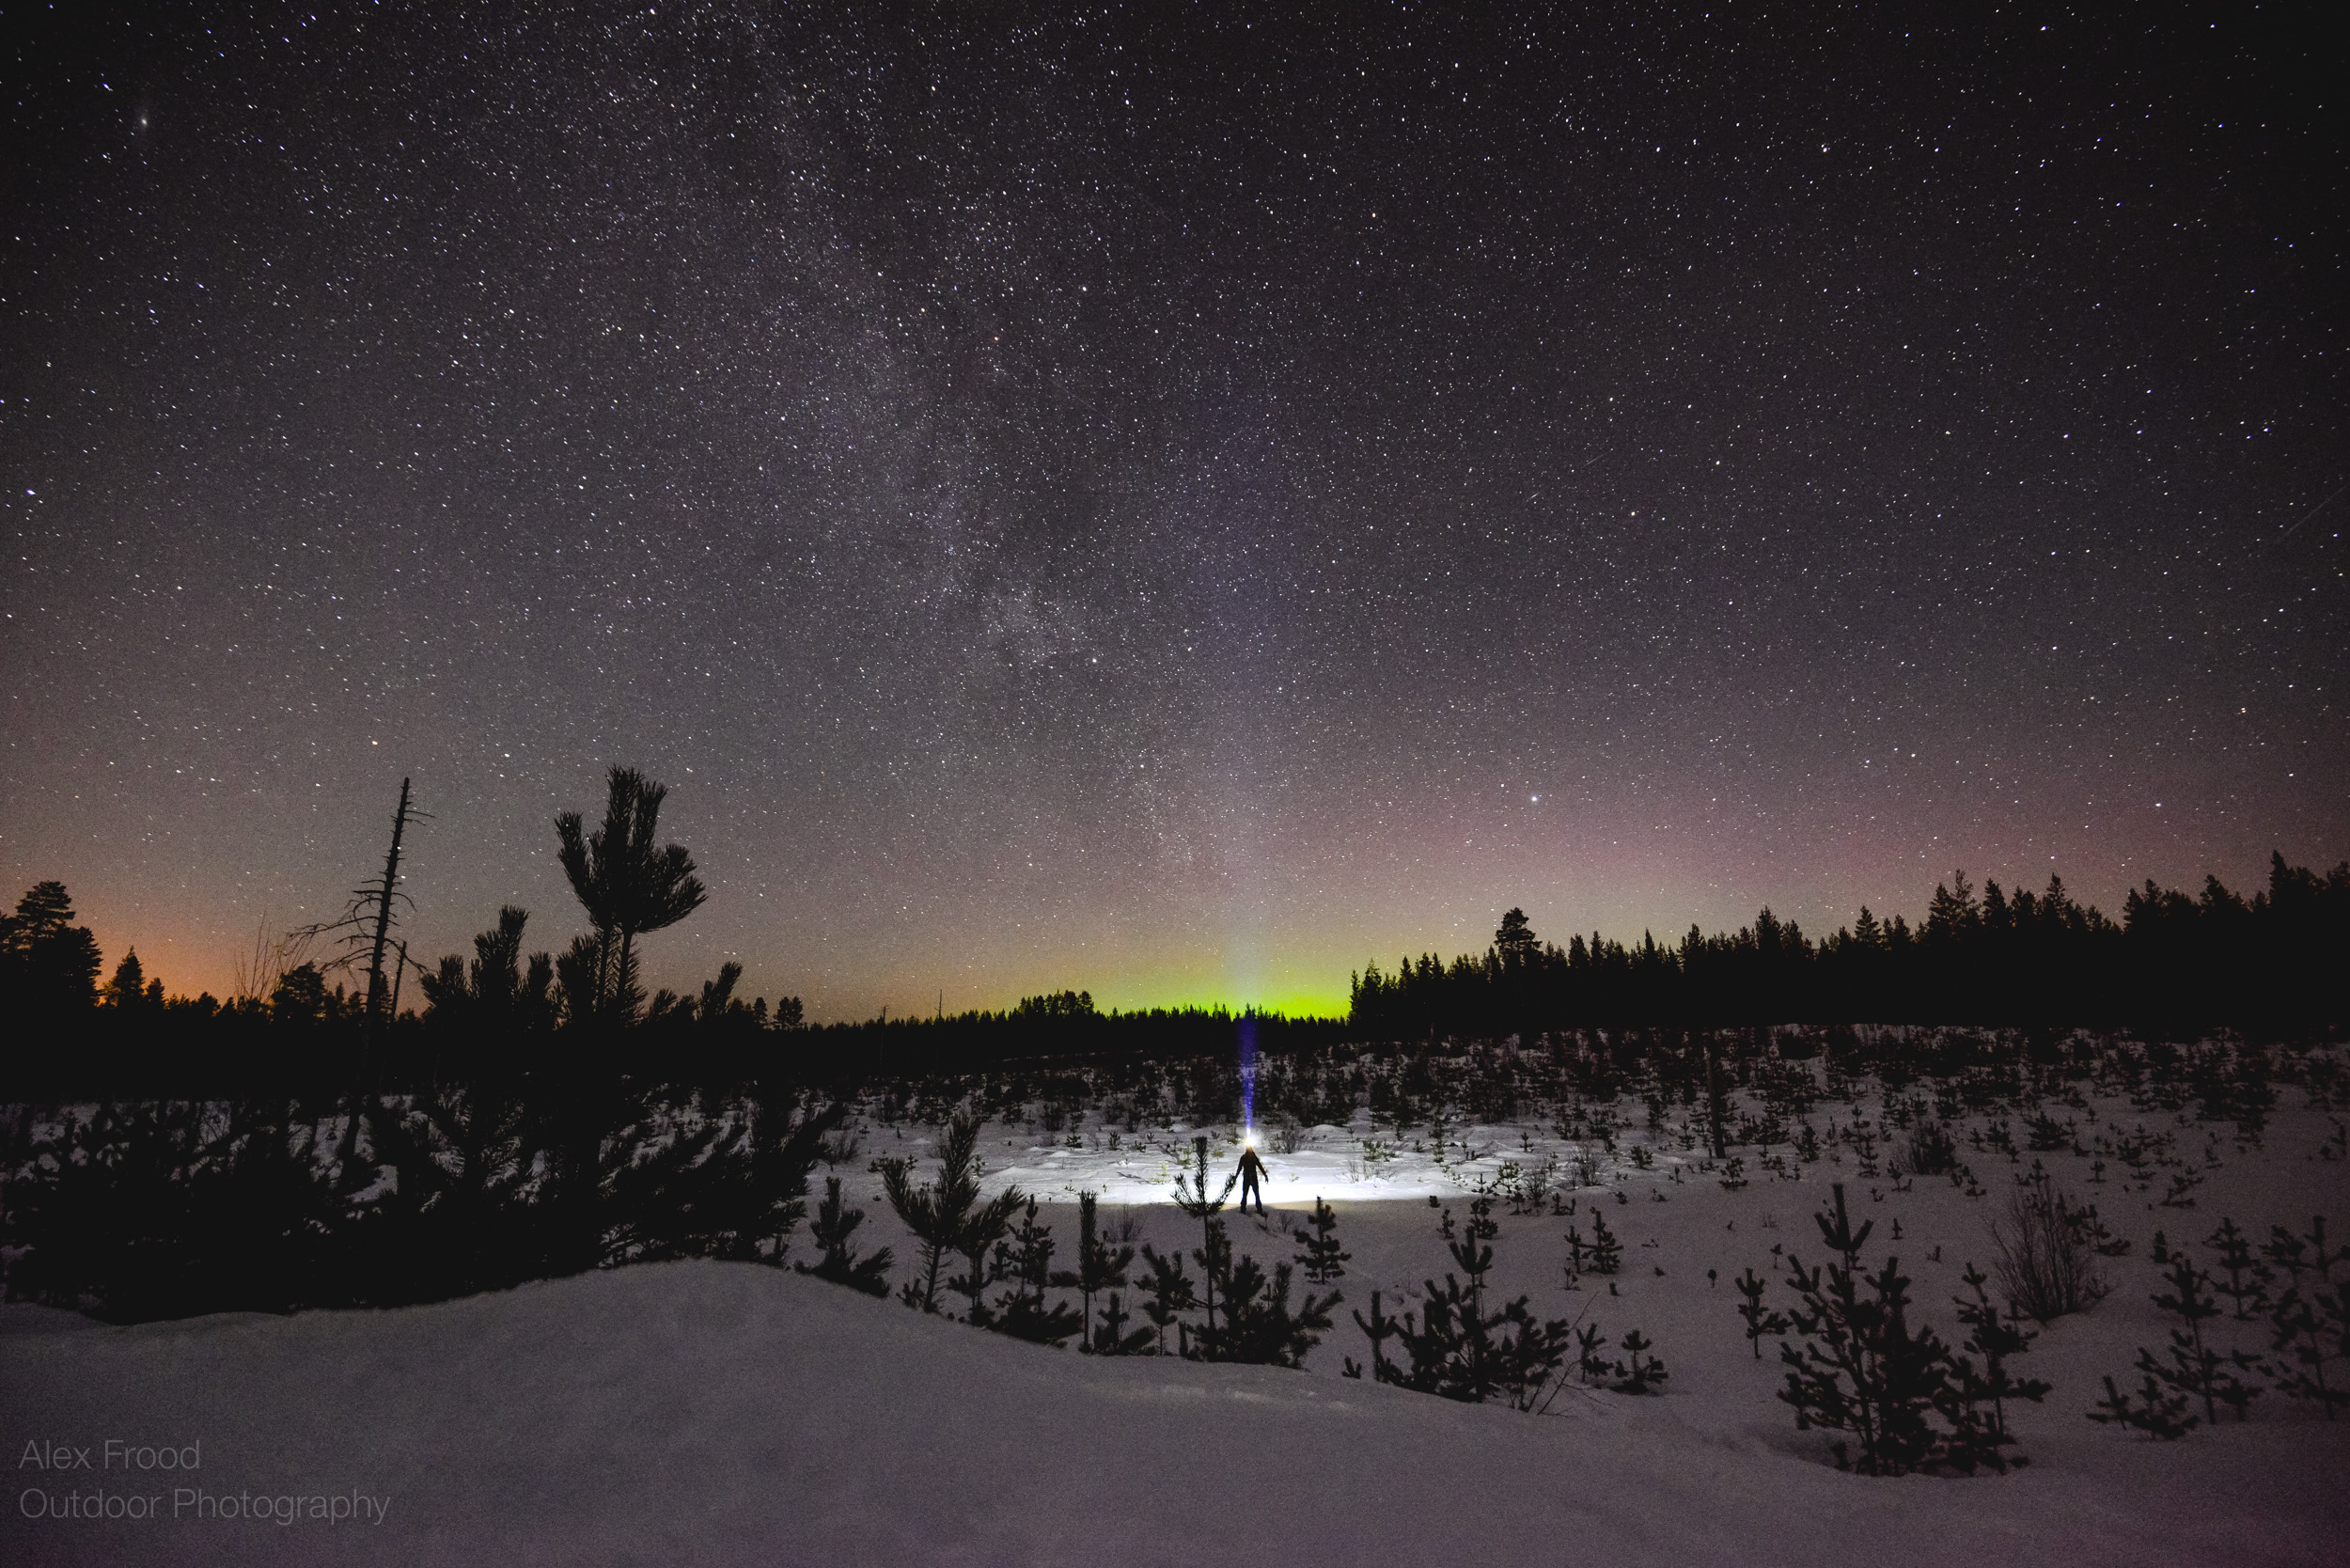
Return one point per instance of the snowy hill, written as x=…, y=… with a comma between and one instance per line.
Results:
x=699, y=1413
x=709, y=1413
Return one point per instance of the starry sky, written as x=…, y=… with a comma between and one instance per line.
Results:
x=1174, y=501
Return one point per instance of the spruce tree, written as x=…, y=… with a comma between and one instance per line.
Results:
x=48, y=965
x=127, y=990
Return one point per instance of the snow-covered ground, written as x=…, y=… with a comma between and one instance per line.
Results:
x=707, y=1413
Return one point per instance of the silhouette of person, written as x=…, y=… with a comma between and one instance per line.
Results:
x=1251, y=1170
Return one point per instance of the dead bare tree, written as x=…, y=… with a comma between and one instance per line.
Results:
x=365, y=927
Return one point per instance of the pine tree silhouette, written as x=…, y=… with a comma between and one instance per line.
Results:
x=2310, y=1318
x=1026, y=1261
x=48, y=965
x=2247, y=1278
x=947, y=1217
x=1863, y=1369
x=833, y=1224
x=1171, y=1296
x=1318, y=1253
x=1975, y=1400
x=1760, y=1319
x=627, y=885
x=1455, y=1347
x=2159, y=1415
x=1101, y=1266
x=1191, y=1196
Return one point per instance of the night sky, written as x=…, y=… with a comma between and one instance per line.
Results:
x=1174, y=502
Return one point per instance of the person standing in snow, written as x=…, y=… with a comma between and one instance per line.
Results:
x=1251, y=1170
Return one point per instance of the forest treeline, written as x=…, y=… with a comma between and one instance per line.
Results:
x=500, y=1014
x=2278, y=959
x=366, y=1016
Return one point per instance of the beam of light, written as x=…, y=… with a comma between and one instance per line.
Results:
x=1248, y=1029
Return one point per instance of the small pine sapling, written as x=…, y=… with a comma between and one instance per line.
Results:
x=1760, y=1319
x=1591, y=1363
x=1525, y=1354
x=1191, y=1196
x=1027, y=1262
x=985, y=1228
x=1379, y=1330
x=2194, y=1369
x=2246, y=1278
x=1102, y=1266
x=2310, y=1319
x=2162, y=1416
x=2235, y=1390
x=946, y=1216
x=832, y=1227
x=1112, y=1337
x=1641, y=1372
x=1191, y=1188
x=1976, y=1407
x=1215, y=1258
x=1606, y=1253
x=1318, y=1249
x=977, y=1274
x=1458, y=1348
x=1171, y=1297
x=1259, y=1327
x=2312, y=1327
x=1470, y=1251
x=1862, y=1369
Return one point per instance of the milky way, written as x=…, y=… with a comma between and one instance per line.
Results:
x=1175, y=502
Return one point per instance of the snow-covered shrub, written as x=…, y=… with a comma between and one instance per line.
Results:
x=1931, y=1153
x=2047, y=1260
